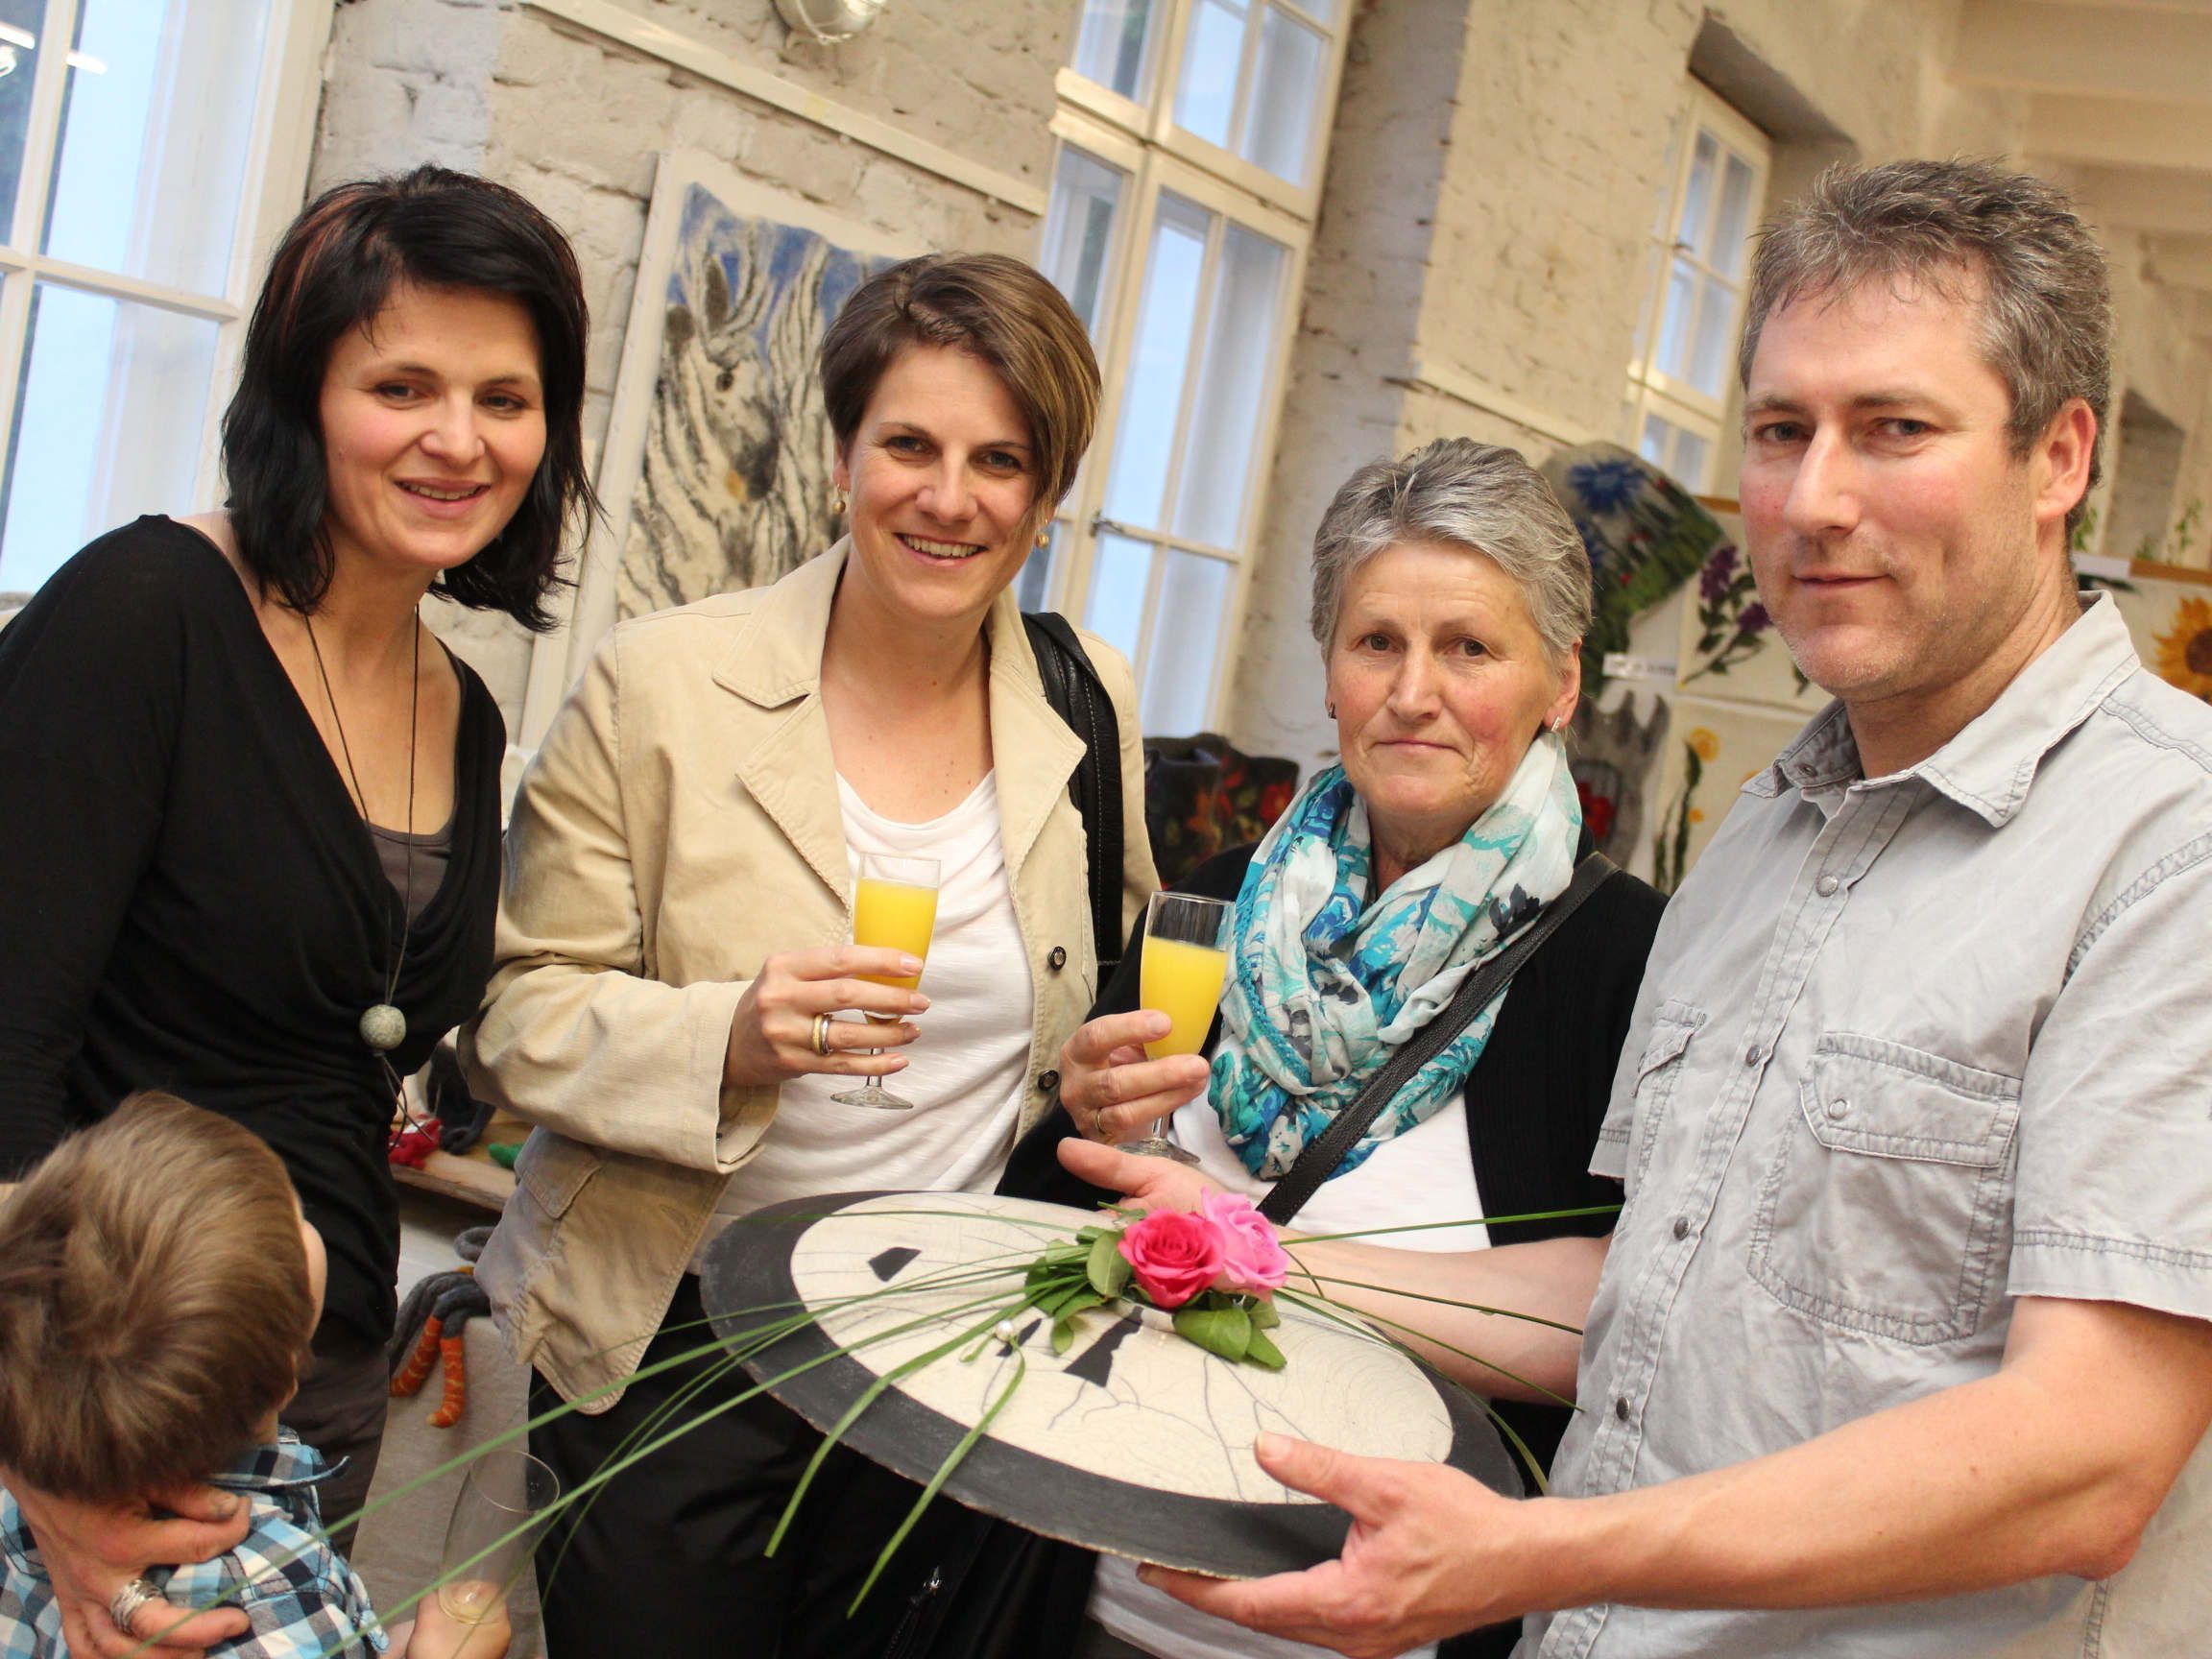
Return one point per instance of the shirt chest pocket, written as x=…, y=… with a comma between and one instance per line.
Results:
x=1888, y=1203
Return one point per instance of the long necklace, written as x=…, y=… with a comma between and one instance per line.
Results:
x=383, y=1026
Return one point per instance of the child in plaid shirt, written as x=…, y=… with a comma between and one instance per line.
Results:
x=158, y=1290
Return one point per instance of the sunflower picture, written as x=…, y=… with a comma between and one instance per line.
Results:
x=2183, y=654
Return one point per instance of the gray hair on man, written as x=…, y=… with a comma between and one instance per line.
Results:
x=1968, y=229
x=1460, y=494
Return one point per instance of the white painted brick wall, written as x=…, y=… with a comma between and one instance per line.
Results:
x=575, y=121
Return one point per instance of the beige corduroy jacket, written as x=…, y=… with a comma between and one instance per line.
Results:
x=679, y=826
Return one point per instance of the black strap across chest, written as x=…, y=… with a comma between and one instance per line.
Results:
x=1078, y=696
x=1321, y=1155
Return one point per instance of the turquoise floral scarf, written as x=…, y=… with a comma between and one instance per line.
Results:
x=1324, y=985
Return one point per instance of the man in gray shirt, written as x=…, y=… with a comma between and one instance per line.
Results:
x=1903, y=1342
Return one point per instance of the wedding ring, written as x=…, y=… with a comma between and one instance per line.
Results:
x=134, y=1594
x=822, y=1035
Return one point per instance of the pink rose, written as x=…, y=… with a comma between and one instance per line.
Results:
x=1173, y=1255
x=1252, y=1259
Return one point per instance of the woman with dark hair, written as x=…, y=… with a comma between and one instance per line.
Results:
x=676, y=1006
x=249, y=805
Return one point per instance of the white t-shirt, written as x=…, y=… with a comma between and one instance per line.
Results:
x=967, y=1070
x=1420, y=1176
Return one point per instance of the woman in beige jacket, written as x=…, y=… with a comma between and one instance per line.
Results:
x=674, y=1004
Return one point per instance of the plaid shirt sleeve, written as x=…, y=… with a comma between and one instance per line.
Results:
x=303, y=1601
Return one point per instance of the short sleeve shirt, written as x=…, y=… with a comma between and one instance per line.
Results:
x=1909, y=1048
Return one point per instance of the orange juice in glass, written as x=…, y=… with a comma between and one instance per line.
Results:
x=895, y=908
x=1185, y=958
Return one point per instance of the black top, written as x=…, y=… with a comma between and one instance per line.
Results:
x=1535, y=1099
x=189, y=900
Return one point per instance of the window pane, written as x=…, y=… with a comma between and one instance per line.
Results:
x=1159, y=363
x=1186, y=644
x=1225, y=417
x=1033, y=588
x=1674, y=322
x=1119, y=577
x=154, y=145
x=1691, y=457
x=1112, y=43
x=1653, y=444
x=21, y=21
x=1286, y=97
x=1206, y=91
x=1709, y=360
x=1729, y=230
x=1079, y=231
x=1689, y=228
x=108, y=425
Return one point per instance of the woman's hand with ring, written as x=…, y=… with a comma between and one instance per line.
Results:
x=93, y=1551
x=784, y=1028
x=1111, y=1089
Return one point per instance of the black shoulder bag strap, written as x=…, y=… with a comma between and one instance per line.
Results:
x=1078, y=696
x=1322, y=1154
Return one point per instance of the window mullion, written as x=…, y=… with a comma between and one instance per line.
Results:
x=43, y=127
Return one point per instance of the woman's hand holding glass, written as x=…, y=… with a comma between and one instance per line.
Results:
x=1110, y=1089
x=771, y=1037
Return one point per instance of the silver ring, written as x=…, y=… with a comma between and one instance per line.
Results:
x=134, y=1594
x=822, y=1035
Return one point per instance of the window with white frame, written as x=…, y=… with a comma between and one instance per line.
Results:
x=1693, y=296
x=1193, y=135
x=150, y=151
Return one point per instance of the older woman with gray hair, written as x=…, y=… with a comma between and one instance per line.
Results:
x=1450, y=596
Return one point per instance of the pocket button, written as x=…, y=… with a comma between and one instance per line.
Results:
x=1826, y=886
x=1837, y=1107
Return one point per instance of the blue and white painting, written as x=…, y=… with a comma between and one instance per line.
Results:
x=734, y=489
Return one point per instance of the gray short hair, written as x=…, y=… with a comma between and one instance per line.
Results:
x=1460, y=494
x=2045, y=297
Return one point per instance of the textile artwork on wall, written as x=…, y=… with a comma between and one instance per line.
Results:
x=1644, y=534
x=717, y=475
x=2171, y=622
x=1715, y=748
x=1729, y=646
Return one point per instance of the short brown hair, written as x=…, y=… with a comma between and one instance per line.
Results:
x=1000, y=311
x=1968, y=229
x=153, y=1302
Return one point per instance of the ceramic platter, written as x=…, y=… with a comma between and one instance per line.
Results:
x=1134, y=1441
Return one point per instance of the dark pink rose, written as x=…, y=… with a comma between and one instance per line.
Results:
x=1252, y=1259
x=1173, y=1255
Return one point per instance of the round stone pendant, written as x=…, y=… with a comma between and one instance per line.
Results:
x=383, y=1028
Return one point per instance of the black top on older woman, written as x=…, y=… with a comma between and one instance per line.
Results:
x=249, y=804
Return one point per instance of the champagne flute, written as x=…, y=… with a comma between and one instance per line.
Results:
x=1186, y=957
x=505, y=1502
x=894, y=906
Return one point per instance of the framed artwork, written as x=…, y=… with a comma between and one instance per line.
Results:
x=1713, y=749
x=1729, y=647
x=715, y=474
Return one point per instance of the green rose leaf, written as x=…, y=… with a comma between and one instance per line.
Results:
x=1263, y=1316
x=1062, y=1336
x=1263, y=1351
x=1223, y=1331
x=1108, y=1269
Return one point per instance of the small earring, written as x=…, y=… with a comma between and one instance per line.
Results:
x=1045, y=538
x=1330, y=708
x=1560, y=724
x=836, y=501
